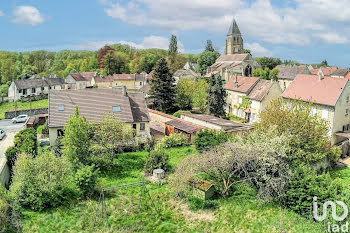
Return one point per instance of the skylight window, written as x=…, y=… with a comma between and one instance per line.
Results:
x=61, y=107
x=116, y=108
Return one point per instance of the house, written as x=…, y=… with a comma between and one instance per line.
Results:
x=103, y=81
x=190, y=66
x=140, y=80
x=76, y=81
x=340, y=73
x=180, y=74
x=235, y=61
x=94, y=103
x=331, y=98
x=33, y=87
x=287, y=74
x=261, y=95
x=324, y=71
x=88, y=77
x=211, y=122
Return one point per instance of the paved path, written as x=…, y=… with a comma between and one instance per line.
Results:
x=11, y=130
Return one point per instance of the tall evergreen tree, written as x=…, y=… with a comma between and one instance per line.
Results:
x=209, y=47
x=162, y=88
x=216, y=97
x=172, y=46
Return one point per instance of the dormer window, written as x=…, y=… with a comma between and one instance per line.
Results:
x=61, y=107
x=116, y=108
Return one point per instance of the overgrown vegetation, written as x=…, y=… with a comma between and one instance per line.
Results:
x=207, y=139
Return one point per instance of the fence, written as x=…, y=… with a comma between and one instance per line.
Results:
x=30, y=112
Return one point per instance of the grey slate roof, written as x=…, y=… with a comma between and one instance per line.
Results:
x=213, y=120
x=233, y=30
x=260, y=90
x=30, y=83
x=289, y=72
x=340, y=72
x=184, y=126
x=54, y=81
x=94, y=103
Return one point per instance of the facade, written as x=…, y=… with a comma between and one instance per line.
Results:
x=33, y=87
x=330, y=98
x=234, y=40
x=180, y=74
x=94, y=103
x=76, y=81
x=287, y=74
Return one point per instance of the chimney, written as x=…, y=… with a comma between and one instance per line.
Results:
x=236, y=81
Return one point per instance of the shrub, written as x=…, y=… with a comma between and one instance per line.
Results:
x=3, y=211
x=305, y=184
x=11, y=156
x=10, y=220
x=156, y=159
x=207, y=139
x=199, y=204
x=178, y=113
x=44, y=181
x=173, y=140
x=86, y=180
x=149, y=145
x=26, y=141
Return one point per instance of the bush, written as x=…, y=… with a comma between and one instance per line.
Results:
x=173, y=140
x=11, y=156
x=26, y=141
x=156, y=159
x=149, y=145
x=305, y=184
x=3, y=212
x=44, y=181
x=86, y=180
x=10, y=220
x=199, y=204
x=207, y=139
x=178, y=113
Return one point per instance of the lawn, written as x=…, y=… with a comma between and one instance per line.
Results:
x=5, y=107
x=240, y=213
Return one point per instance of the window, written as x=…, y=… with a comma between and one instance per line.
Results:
x=33, y=90
x=61, y=107
x=346, y=112
x=142, y=126
x=19, y=91
x=229, y=97
x=116, y=108
x=134, y=126
x=60, y=133
x=313, y=111
x=284, y=85
x=236, y=50
x=345, y=127
x=240, y=99
x=24, y=91
x=43, y=88
x=254, y=104
x=347, y=99
x=325, y=114
x=140, y=83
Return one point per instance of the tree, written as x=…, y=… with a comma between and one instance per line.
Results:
x=185, y=89
x=93, y=63
x=76, y=141
x=268, y=62
x=324, y=63
x=148, y=62
x=116, y=63
x=101, y=55
x=266, y=73
x=209, y=46
x=216, y=97
x=306, y=133
x=205, y=60
x=200, y=95
x=112, y=135
x=172, y=46
x=247, y=51
x=162, y=90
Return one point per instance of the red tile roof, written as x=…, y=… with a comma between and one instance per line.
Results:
x=244, y=84
x=89, y=75
x=327, y=71
x=347, y=76
x=260, y=90
x=78, y=77
x=310, y=88
x=233, y=57
x=104, y=79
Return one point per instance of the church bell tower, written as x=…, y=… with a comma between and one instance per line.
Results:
x=234, y=41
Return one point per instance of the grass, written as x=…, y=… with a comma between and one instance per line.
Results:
x=240, y=213
x=5, y=107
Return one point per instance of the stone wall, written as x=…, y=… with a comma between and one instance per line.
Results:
x=4, y=173
x=36, y=111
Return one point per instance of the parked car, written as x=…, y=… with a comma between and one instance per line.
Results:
x=20, y=119
x=2, y=134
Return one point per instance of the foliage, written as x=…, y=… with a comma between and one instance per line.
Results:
x=76, y=141
x=268, y=62
x=324, y=63
x=205, y=60
x=150, y=144
x=148, y=62
x=10, y=220
x=200, y=95
x=163, y=92
x=184, y=93
x=86, y=180
x=11, y=156
x=156, y=159
x=216, y=96
x=199, y=204
x=112, y=135
x=307, y=134
x=247, y=51
x=102, y=54
x=209, y=46
x=41, y=182
x=172, y=46
x=178, y=113
x=306, y=184
x=116, y=63
x=207, y=139
x=6, y=107
x=173, y=140
x=26, y=141
x=266, y=73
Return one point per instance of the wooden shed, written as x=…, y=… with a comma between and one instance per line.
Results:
x=202, y=189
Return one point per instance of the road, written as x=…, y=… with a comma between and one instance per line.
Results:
x=11, y=130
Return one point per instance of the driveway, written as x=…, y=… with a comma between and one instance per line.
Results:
x=11, y=130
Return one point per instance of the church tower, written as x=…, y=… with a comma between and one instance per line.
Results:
x=234, y=41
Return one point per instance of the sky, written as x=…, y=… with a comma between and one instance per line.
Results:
x=306, y=31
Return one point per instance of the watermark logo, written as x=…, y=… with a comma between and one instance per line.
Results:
x=323, y=216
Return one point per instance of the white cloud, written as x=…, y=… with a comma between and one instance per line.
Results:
x=300, y=24
x=27, y=15
x=147, y=43
x=1, y=13
x=258, y=50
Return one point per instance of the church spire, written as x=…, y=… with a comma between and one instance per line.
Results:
x=234, y=30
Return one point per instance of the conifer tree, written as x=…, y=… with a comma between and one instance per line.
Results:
x=216, y=97
x=209, y=47
x=172, y=46
x=163, y=88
